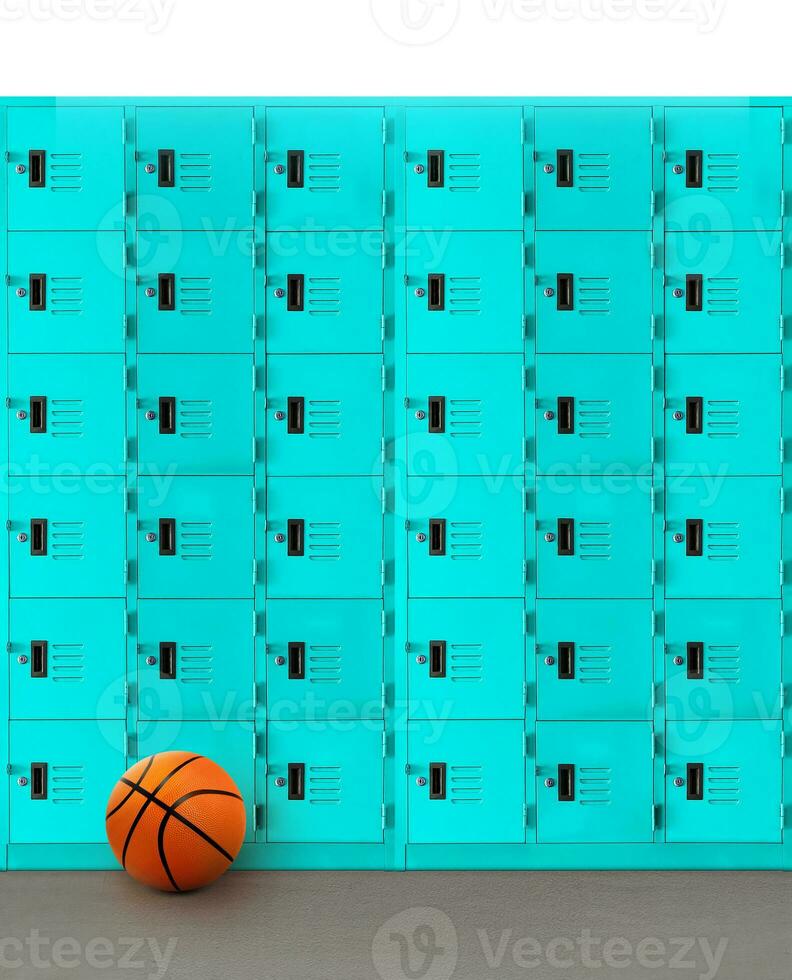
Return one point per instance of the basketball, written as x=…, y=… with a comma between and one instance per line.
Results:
x=175, y=821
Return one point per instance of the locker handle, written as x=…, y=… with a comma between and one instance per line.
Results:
x=38, y=780
x=295, y=535
x=694, y=293
x=694, y=534
x=38, y=414
x=435, y=168
x=37, y=169
x=694, y=160
x=37, y=292
x=566, y=783
x=564, y=292
x=694, y=416
x=295, y=415
x=437, y=536
x=563, y=168
x=296, y=780
x=296, y=661
x=167, y=661
x=38, y=658
x=566, y=661
x=695, y=661
x=436, y=291
x=295, y=293
x=167, y=415
x=565, y=412
x=695, y=780
x=437, y=658
x=295, y=168
x=166, y=168
x=166, y=291
x=566, y=536
x=437, y=780
x=167, y=536
x=38, y=536
x=437, y=413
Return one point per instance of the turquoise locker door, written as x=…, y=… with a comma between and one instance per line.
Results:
x=723, y=659
x=594, y=660
x=723, y=537
x=67, y=413
x=594, y=782
x=324, y=414
x=194, y=292
x=594, y=537
x=195, y=537
x=195, y=168
x=195, y=660
x=325, y=783
x=68, y=658
x=722, y=294
x=229, y=742
x=324, y=292
x=593, y=413
x=324, y=656
x=723, y=168
x=66, y=292
x=324, y=537
x=195, y=414
x=67, y=537
x=466, y=782
x=723, y=781
x=593, y=168
x=723, y=414
x=464, y=414
x=65, y=168
x=61, y=776
x=466, y=658
x=465, y=537
x=593, y=292
x=465, y=168
x=464, y=292
x=325, y=169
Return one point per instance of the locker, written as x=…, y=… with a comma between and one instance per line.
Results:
x=593, y=413
x=723, y=659
x=65, y=168
x=324, y=292
x=325, y=782
x=466, y=658
x=325, y=169
x=324, y=537
x=227, y=741
x=195, y=537
x=466, y=782
x=324, y=659
x=67, y=658
x=723, y=168
x=464, y=168
x=464, y=292
x=66, y=292
x=593, y=292
x=594, y=782
x=61, y=774
x=723, y=414
x=593, y=168
x=464, y=414
x=195, y=292
x=67, y=537
x=67, y=414
x=723, y=781
x=465, y=537
x=195, y=414
x=723, y=537
x=324, y=414
x=594, y=660
x=722, y=293
x=195, y=168
x=594, y=537
x=195, y=660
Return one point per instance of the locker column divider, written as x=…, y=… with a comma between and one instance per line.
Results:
x=786, y=484
x=5, y=674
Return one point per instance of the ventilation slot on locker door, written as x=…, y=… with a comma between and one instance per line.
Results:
x=38, y=781
x=166, y=168
x=38, y=414
x=37, y=292
x=36, y=168
x=695, y=780
x=38, y=658
x=566, y=661
x=695, y=661
x=437, y=780
x=566, y=783
x=437, y=658
x=167, y=658
x=437, y=536
x=435, y=168
x=296, y=654
x=296, y=780
x=694, y=165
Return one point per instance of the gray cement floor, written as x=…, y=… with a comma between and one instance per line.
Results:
x=400, y=927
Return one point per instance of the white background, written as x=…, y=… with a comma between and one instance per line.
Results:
x=392, y=47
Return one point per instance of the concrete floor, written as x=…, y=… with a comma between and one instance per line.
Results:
x=400, y=927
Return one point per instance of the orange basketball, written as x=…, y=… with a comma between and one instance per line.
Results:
x=176, y=821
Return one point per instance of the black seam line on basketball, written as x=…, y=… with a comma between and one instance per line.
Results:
x=184, y=820
x=150, y=797
x=161, y=849
x=131, y=793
